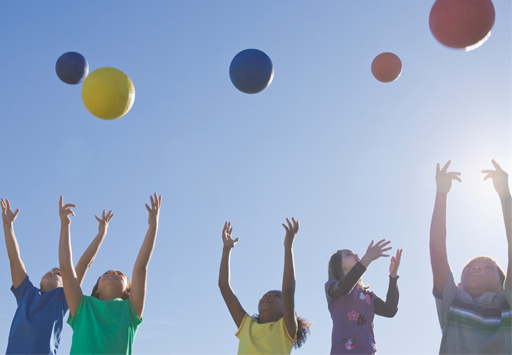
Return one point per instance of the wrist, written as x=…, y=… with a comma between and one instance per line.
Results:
x=365, y=261
x=505, y=193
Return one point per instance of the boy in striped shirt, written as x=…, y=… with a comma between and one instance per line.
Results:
x=475, y=316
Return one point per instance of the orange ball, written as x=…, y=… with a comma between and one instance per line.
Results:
x=463, y=24
x=386, y=67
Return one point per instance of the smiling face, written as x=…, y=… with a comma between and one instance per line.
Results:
x=481, y=275
x=348, y=260
x=271, y=303
x=51, y=280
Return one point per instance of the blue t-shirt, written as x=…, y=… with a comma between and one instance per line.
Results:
x=38, y=321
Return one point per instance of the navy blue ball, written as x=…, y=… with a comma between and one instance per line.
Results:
x=72, y=68
x=251, y=71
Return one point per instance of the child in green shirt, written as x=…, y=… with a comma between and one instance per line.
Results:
x=106, y=322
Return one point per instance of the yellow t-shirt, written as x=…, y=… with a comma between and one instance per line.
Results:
x=266, y=338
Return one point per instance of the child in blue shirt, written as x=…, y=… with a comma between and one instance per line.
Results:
x=38, y=320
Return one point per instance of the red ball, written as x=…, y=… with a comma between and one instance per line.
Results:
x=386, y=67
x=464, y=24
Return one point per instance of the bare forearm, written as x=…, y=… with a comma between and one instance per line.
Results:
x=224, y=272
x=289, y=272
x=65, y=253
x=18, y=271
x=88, y=256
x=142, y=262
x=11, y=243
x=438, y=253
x=438, y=227
x=506, y=206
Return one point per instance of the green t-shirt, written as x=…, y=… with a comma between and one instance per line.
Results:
x=103, y=327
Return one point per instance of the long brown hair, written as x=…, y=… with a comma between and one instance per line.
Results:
x=336, y=272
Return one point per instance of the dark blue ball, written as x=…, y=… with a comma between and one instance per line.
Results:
x=251, y=71
x=72, y=68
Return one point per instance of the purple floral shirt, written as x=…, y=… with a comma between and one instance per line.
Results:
x=352, y=317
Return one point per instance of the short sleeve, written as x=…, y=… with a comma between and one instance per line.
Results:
x=244, y=320
x=72, y=319
x=292, y=340
x=444, y=303
x=133, y=314
x=22, y=289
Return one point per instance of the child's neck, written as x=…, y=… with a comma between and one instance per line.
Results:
x=266, y=318
x=107, y=295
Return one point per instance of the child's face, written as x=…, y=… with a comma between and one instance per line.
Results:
x=479, y=276
x=51, y=280
x=348, y=260
x=113, y=279
x=271, y=302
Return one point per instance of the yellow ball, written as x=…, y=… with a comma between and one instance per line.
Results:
x=108, y=93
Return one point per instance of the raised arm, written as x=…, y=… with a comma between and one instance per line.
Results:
x=88, y=256
x=18, y=271
x=71, y=284
x=140, y=269
x=289, y=317
x=390, y=306
x=235, y=308
x=438, y=254
x=500, y=180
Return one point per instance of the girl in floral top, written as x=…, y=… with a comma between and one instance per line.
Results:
x=353, y=305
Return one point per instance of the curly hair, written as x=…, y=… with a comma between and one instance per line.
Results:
x=303, y=327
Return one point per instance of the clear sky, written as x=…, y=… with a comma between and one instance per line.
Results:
x=350, y=157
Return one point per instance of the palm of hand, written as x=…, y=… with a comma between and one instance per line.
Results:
x=226, y=236
x=7, y=215
x=292, y=228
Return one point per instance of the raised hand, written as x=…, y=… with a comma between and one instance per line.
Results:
x=375, y=251
x=65, y=211
x=228, y=241
x=103, y=222
x=499, y=179
x=395, y=263
x=8, y=216
x=444, y=179
x=154, y=211
x=291, y=231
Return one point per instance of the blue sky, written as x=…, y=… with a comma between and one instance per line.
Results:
x=350, y=157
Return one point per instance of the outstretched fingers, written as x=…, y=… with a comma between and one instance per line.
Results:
x=292, y=227
x=382, y=246
x=226, y=235
x=7, y=213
